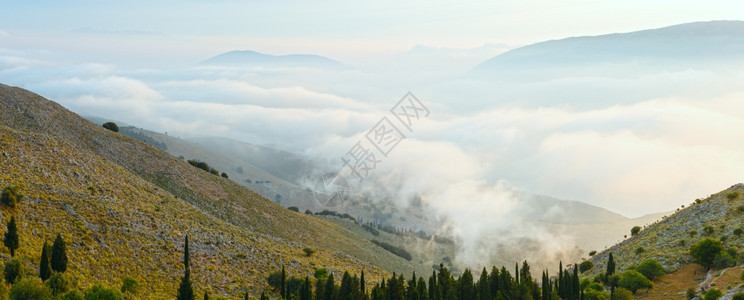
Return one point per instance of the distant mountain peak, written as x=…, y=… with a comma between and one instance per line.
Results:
x=257, y=59
x=683, y=46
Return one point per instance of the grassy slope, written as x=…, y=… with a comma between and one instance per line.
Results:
x=125, y=206
x=668, y=240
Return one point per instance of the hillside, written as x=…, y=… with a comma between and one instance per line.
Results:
x=250, y=58
x=669, y=240
x=125, y=207
x=700, y=45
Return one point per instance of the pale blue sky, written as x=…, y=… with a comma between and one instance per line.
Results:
x=337, y=26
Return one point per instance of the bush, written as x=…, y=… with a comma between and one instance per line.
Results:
x=713, y=294
x=308, y=251
x=13, y=270
x=73, y=295
x=723, y=260
x=294, y=208
x=706, y=251
x=30, y=288
x=738, y=231
x=591, y=294
x=690, y=293
x=321, y=274
x=111, y=126
x=585, y=266
x=650, y=268
x=738, y=296
x=635, y=230
x=639, y=250
x=224, y=175
x=692, y=232
x=622, y=294
x=708, y=230
x=633, y=281
x=129, y=285
x=100, y=292
x=394, y=250
x=592, y=253
x=275, y=280
x=57, y=284
x=11, y=196
x=732, y=195
x=723, y=238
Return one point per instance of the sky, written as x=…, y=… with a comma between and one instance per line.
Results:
x=626, y=138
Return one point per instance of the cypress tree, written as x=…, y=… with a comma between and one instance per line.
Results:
x=575, y=282
x=245, y=297
x=330, y=288
x=11, y=237
x=263, y=296
x=206, y=295
x=45, y=268
x=305, y=290
x=610, y=266
x=59, y=254
x=344, y=292
x=423, y=294
x=284, y=284
x=362, y=283
x=434, y=292
x=185, y=290
x=484, y=286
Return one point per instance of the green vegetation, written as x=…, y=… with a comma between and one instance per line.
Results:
x=129, y=286
x=635, y=230
x=11, y=236
x=13, y=270
x=633, y=281
x=585, y=266
x=732, y=195
x=30, y=288
x=650, y=268
x=111, y=126
x=101, y=292
x=45, y=268
x=11, y=196
x=308, y=251
x=58, y=284
x=394, y=249
x=185, y=291
x=738, y=296
x=59, y=254
x=706, y=251
x=713, y=294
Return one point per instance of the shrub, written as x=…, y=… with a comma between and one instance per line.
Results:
x=635, y=230
x=723, y=238
x=622, y=294
x=100, y=292
x=740, y=209
x=592, y=253
x=738, y=231
x=224, y=175
x=11, y=196
x=690, y=293
x=639, y=250
x=73, y=295
x=713, y=294
x=308, y=251
x=321, y=274
x=294, y=208
x=723, y=260
x=394, y=250
x=698, y=201
x=591, y=294
x=585, y=266
x=275, y=280
x=706, y=251
x=30, y=288
x=732, y=195
x=650, y=268
x=708, y=230
x=57, y=284
x=738, y=296
x=633, y=281
x=129, y=285
x=13, y=270
x=692, y=232
x=111, y=126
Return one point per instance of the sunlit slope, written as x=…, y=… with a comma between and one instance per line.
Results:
x=125, y=208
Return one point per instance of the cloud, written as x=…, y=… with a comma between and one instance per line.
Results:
x=631, y=144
